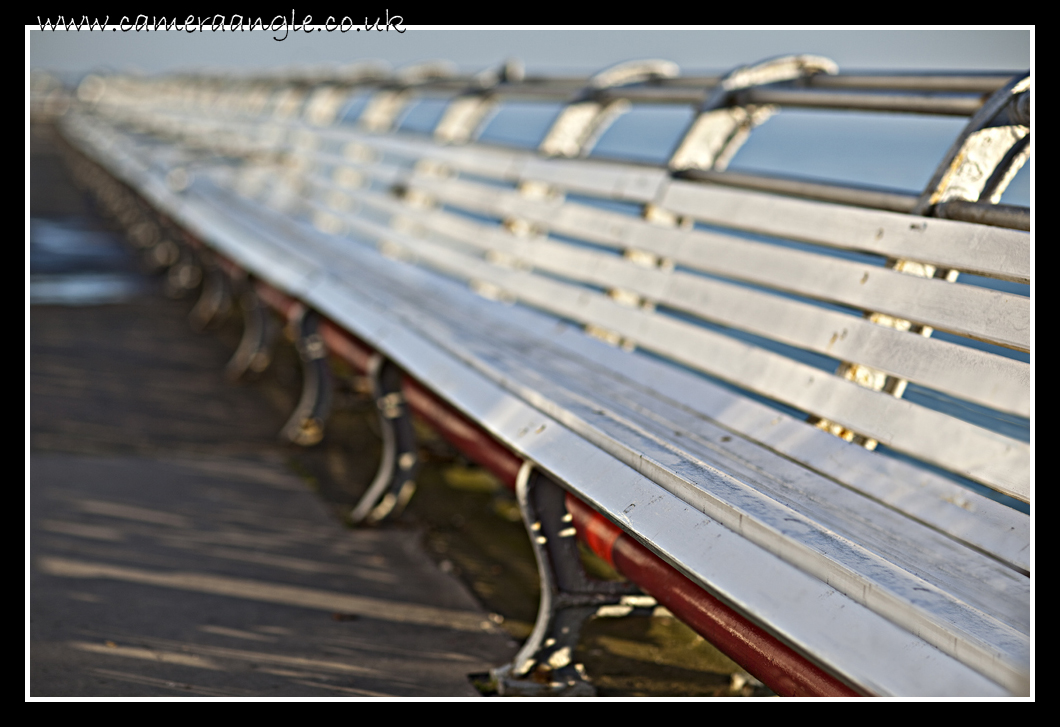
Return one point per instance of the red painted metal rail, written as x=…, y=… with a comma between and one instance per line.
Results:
x=772, y=662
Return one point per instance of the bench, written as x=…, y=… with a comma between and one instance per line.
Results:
x=794, y=413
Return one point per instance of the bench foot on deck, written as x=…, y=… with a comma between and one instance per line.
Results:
x=545, y=666
x=394, y=483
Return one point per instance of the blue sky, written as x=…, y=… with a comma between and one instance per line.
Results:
x=542, y=49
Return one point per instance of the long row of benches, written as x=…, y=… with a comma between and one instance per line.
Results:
x=700, y=373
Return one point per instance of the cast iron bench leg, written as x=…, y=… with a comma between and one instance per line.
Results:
x=215, y=299
x=545, y=666
x=306, y=425
x=394, y=483
x=253, y=353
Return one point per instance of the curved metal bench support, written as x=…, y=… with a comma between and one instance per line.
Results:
x=306, y=425
x=394, y=482
x=993, y=146
x=544, y=666
x=586, y=118
x=254, y=352
x=215, y=299
x=465, y=116
x=722, y=124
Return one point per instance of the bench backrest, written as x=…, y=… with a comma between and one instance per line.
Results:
x=755, y=289
x=762, y=291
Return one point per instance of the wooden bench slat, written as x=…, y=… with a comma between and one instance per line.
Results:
x=982, y=458
x=817, y=619
x=989, y=251
x=976, y=453
x=415, y=303
x=812, y=455
x=993, y=252
x=545, y=372
x=627, y=182
x=923, y=496
x=485, y=161
x=982, y=377
x=979, y=313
